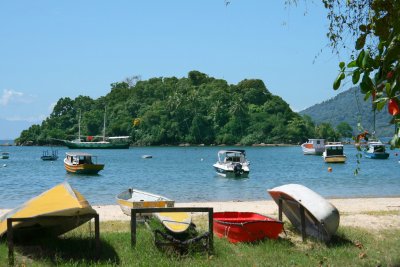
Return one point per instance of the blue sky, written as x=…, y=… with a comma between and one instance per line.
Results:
x=53, y=49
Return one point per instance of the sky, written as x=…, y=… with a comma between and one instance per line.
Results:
x=54, y=49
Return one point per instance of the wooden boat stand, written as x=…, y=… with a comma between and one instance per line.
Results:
x=171, y=241
x=302, y=215
x=10, y=231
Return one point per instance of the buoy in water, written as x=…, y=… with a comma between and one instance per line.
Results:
x=4, y=165
x=329, y=169
x=395, y=154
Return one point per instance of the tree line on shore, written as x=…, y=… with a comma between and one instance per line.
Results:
x=197, y=109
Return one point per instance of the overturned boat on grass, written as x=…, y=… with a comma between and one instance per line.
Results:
x=321, y=218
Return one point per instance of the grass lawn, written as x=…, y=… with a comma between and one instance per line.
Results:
x=350, y=247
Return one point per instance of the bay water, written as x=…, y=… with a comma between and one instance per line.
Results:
x=185, y=174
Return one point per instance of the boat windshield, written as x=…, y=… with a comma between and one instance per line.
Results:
x=379, y=148
x=334, y=151
x=232, y=156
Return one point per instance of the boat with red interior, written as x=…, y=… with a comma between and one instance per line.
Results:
x=245, y=226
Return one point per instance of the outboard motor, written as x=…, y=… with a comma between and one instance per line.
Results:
x=237, y=169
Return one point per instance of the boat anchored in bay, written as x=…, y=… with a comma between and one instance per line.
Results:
x=81, y=163
x=232, y=163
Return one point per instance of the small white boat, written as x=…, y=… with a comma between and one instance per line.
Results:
x=321, y=217
x=334, y=153
x=232, y=163
x=376, y=150
x=133, y=198
x=176, y=222
x=147, y=156
x=313, y=147
x=4, y=155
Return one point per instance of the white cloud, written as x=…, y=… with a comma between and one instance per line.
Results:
x=9, y=95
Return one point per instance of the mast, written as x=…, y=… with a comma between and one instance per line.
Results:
x=79, y=127
x=104, y=125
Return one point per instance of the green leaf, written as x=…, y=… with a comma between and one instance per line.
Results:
x=367, y=95
x=360, y=58
x=352, y=64
x=356, y=76
x=360, y=41
x=388, y=89
x=342, y=65
x=366, y=84
x=339, y=78
x=363, y=28
x=367, y=61
x=380, y=104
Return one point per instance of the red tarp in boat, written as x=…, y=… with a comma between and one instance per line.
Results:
x=245, y=226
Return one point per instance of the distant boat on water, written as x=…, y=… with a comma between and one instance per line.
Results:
x=313, y=147
x=81, y=163
x=115, y=142
x=334, y=153
x=4, y=155
x=46, y=156
x=376, y=150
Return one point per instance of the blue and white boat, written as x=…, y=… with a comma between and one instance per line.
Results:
x=376, y=150
x=232, y=163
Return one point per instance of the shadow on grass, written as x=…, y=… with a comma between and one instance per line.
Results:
x=339, y=240
x=58, y=250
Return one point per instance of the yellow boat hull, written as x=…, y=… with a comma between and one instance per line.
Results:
x=176, y=222
x=53, y=212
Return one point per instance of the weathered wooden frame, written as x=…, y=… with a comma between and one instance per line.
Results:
x=210, y=212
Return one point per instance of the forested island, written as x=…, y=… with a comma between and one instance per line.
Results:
x=197, y=109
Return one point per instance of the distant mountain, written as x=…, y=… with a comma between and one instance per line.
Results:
x=349, y=106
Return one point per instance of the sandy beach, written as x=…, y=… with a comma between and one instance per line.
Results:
x=368, y=213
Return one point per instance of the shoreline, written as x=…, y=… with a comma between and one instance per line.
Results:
x=372, y=214
x=368, y=213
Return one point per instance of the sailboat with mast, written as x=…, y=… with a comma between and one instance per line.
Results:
x=114, y=142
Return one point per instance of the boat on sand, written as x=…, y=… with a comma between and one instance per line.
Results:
x=175, y=222
x=245, y=226
x=55, y=212
x=133, y=198
x=321, y=217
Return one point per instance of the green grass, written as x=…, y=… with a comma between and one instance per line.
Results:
x=350, y=247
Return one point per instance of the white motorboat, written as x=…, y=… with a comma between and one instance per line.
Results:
x=232, y=163
x=313, y=147
x=321, y=217
x=376, y=150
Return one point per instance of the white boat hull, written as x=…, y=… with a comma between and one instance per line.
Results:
x=321, y=217
x=228, y=170
x=133, y=198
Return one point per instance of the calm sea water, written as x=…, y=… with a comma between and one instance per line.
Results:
x=186, y=174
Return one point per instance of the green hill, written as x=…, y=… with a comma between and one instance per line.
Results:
x=196, y=109
x=349, y=106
